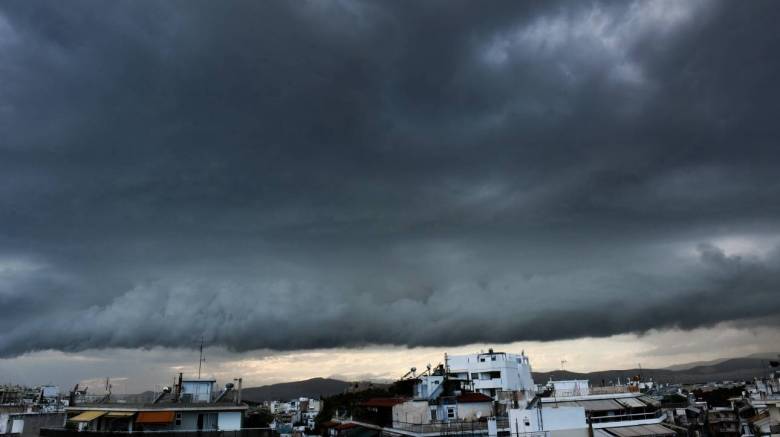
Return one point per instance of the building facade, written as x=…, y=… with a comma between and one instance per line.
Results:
x=493, y=372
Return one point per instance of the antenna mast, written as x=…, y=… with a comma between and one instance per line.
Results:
x=201, y=359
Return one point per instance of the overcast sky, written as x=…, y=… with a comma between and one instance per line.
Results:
x=331, y=180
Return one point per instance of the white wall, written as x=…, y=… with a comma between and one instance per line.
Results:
x=189, y=420
x=17, y=426
x=229, y=421
x=576, y=387
x=474, y=410
x=200, y=390
x=553, y=419
x=428, y=384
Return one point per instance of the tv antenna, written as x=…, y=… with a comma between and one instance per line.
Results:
x=202, y=359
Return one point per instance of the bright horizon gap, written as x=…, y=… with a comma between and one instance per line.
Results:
x=382, y=363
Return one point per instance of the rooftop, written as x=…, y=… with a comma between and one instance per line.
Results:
x=384, y=402
x=473, y=397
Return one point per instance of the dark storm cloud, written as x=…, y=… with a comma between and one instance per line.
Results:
x=305, y=174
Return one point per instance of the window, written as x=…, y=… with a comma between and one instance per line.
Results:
x=493, y=358
x=475, y=376
x=450, y=413
x=433, y=415
x=494, y=375
x=178, y=419
x=481, y=360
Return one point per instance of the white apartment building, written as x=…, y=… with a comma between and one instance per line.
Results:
x=492, y=372
x=573, y=408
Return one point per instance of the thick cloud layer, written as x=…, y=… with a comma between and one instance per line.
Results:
x=293, y=175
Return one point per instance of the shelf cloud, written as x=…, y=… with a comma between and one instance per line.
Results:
x=306, y=175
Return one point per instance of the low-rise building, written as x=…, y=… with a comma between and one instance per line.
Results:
x=192, y=405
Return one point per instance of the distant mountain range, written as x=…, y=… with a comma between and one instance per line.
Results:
x=686, y=366
x=311, y=388
x=732, y=369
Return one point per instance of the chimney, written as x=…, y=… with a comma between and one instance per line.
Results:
x=177, y=388
x=238, y=392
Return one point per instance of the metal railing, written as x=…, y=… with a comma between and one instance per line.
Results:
x=530, y=434
x=627, y=417
x=610, y=389
x=452, y=427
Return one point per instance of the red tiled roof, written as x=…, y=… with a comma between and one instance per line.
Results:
x=473, y=397
x=383, y=402
x=344, y=426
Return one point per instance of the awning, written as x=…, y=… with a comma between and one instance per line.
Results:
x=155, y=417
x=119, y=414
x=87, y=416
x=650, y=401
x=631, y=402
x=600, y=405
x=651, y=430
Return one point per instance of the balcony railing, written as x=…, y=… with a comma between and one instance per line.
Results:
x=610, y=389
x=460, y=427
x=443, y=427
x=627, y=417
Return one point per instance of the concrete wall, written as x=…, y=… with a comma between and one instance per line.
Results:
x=575, y=387
x=570, y=433
x=774, y=412
x=412, y=412
x=474, y=410
x=29, y=425
x=189, y=421
x=229, y=421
